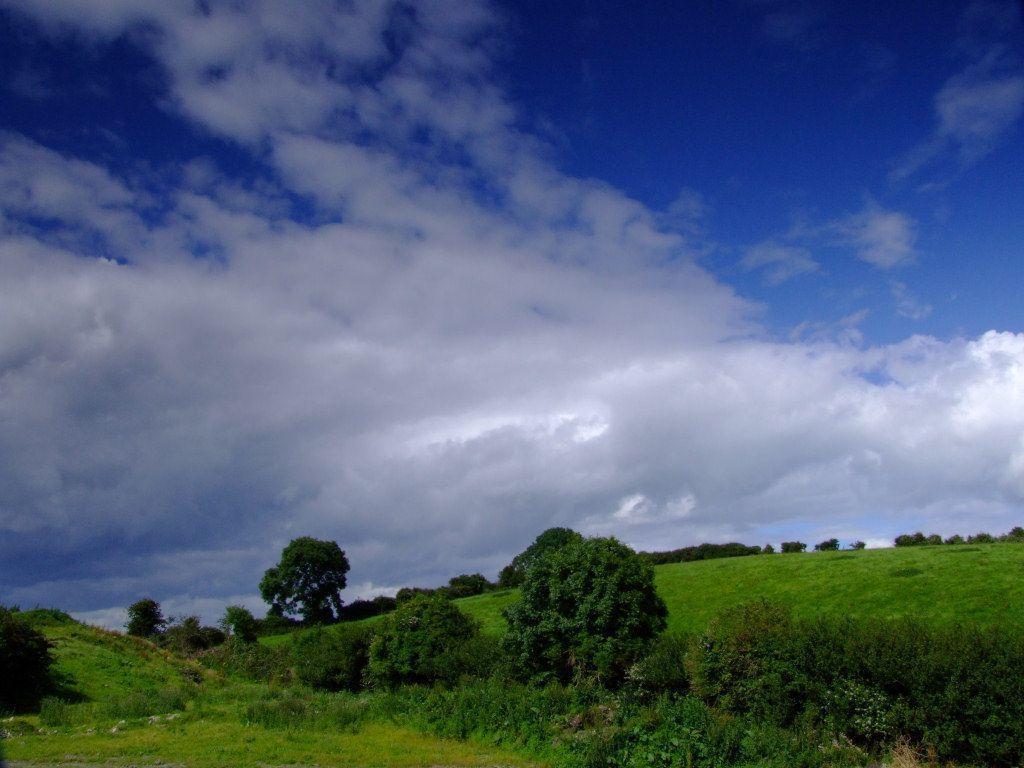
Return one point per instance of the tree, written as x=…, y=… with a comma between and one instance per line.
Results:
x=858, y=545
x=956, y=538
x=145, y=618
x=416, y=643
x=513, y=574
x=308, y=580
x=829, y=545
x=188, y=635
x=467, y=585
x=24, y=663
x=768, y=549
x=587, y=608
x=239, y=623
x=793, y=546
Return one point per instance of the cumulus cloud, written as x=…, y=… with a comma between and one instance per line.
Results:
x=882, y=238
x=457, y=346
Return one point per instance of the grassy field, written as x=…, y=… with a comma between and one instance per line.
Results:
x=981, y=583
x=134, y=704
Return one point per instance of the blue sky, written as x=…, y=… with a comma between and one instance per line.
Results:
x=428, y=278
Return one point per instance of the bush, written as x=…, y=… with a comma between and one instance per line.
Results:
x=956, y=538
x=24, y=663
x=858, y=545
x=587, y=608
x=468, y=585
x=750, y=661
x=703, y=552
x=793, y=546
x=411, y=643
x=829, y=545
x=981, y=538
x=364, y=609
x=767, y=549
x=188, y=636
x=662, y=669
x=550, y=540
x=240, y=624
x=251, y=660
x=334, y=659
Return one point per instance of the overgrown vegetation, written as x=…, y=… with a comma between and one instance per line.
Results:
x=25, y=662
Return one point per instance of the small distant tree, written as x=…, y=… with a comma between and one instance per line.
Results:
x=467, y=585
x=308, y=580
x=858, y=545
x=145, y=619
x=829, y=545
x=188, y=635
x=24, y=663
x=1015, y=534
x=587, y=608
x=934, y=539
x=793, y=546
x=240, y=624
x=956, y=538
x=910, y=540
x=408, y=593
x=981, y=538
x=513, y=574
x=768, y=549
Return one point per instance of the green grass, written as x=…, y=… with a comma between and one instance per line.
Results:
x=978, y=583
x=123, y=707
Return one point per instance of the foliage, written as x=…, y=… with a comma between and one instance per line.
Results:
x=254, y=661
x=240, y=624
x=829, y=545
x=25, y=662
x=364, y=609
x=793, y=546
x=188, y=636
x=858, y=545
x=411, y=644
x=553, y=538
x=702, y=552
x=956, y=538
x=662, y=670
x=308, y=580
x=981, y=538
x=467, y=585
x=145, y=618
x=767, y=549
x=334, y=660
x=587, y=608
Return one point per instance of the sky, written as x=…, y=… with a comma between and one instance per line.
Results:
x=427, y=278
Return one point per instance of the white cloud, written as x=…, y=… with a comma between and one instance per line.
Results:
x=461, y=346
x=780, y=262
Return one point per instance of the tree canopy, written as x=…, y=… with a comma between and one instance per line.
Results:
x=512, y=575
x=587, y=608
x=307, y=581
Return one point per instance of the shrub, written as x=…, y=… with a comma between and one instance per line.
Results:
x=188, y=636
x=240, y=624
x=767, y=549
x=251, y=660
x=829, y=545
x=587, y=608
x=910, y=540
x=793, y=546
x=411, y=643
x=552, y=539
x=662, y=669
x=468, y=585
x=334, y=659
x=145, y=618
x=858, y=545
x=750, y=661
x=981, y=538
x=702, y=552
x=1015, y=535
x=24, y=663
x=364, y=609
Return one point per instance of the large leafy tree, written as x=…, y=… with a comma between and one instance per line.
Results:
x=145, y=619
x=307, y=581
x=512, y=575
x=588, y=608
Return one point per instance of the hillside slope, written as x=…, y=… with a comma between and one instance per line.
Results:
x=93, y=664
x=973, y=583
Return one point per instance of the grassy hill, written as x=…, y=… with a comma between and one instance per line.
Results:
x=981, y=583
x=129, y=703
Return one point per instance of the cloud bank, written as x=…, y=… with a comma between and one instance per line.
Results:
x=412, y=333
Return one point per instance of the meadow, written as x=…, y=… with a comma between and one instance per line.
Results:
x=976, y=583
